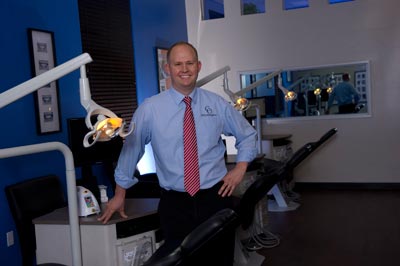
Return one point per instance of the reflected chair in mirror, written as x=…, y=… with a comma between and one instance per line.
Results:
x=30, y=199
x=311, y=103
x=195, y=243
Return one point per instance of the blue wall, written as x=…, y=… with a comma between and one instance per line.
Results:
x=155, y=23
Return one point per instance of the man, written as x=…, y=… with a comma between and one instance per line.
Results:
x=346, y=96
x=160, y=119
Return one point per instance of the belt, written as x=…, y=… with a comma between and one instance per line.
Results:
x=216, y=187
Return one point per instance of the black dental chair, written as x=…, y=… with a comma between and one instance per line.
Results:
x=30, y=199
x=223, y=221
x=273, y=173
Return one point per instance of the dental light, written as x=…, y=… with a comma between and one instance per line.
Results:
x=289, y=95
x=240, y=103
x=107, y=126
x=317, y=91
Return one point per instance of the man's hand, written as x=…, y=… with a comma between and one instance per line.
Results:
x=232, y=179
x=117, y=203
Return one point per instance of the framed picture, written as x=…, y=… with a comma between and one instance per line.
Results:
x=46, y=98
x=164, y=81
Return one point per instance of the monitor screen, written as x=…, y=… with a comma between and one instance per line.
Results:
x=100, y=152
x=261, y=102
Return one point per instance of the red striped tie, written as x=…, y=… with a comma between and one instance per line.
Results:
x=190, y=157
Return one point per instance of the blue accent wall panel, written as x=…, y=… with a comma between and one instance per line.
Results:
x=155, y=23
x=16, y=16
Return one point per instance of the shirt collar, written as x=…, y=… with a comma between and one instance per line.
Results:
x=178, y=97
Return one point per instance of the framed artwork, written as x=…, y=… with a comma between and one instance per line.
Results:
x=46, y=98
x=164, y=81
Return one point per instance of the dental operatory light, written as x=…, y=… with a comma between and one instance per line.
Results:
x=242, y=104
x=317, y=91
x=289, y=95
x=239, y=103
x=108, y=124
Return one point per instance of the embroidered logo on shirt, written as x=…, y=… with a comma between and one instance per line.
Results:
x=208, y=111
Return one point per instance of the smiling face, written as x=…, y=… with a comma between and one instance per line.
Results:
x=183, y=67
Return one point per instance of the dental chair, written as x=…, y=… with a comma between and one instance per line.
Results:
x=273, y=173
x=285, y=169
x=243, y=215
x=30, y=199
x=223, y=221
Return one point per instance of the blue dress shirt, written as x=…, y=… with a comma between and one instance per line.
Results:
x=343, y=93
x=159, y=120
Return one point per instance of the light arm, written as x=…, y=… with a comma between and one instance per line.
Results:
x=289, y=95
x=43, y=79
x=212, y=76
x=252, y=86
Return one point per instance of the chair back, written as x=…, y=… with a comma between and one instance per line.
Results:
x=254, y=193
x=221, y=222
x=30, y=199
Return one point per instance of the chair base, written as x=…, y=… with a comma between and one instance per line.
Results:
x=281, y=203
x=290, y=206
x=243, y=257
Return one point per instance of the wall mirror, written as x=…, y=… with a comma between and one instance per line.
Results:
x=313, y=86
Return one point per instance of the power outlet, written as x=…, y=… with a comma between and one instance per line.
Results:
x=10, y=238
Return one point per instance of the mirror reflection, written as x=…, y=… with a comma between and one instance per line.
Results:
x=324, y=90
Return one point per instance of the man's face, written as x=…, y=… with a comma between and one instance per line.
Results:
x=183, y=68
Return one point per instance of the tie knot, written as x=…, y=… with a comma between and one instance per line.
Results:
x=187, y=100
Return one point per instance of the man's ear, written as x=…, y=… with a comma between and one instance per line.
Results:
x=199, y=65
x=166, y=69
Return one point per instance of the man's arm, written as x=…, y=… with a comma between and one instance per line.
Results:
x=117, y=203
x=233, y=178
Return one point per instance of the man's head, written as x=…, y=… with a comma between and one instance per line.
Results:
x=346, y=77
x=183, y=67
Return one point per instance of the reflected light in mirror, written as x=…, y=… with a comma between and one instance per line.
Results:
x=313, y=86
x=317, y=91
x=290, y=96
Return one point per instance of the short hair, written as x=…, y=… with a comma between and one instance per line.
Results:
x=346, y=76
x=182, y=43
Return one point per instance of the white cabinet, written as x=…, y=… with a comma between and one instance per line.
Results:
x=120, y=242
